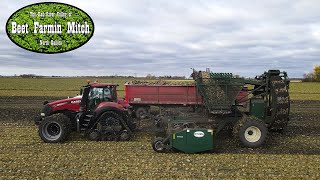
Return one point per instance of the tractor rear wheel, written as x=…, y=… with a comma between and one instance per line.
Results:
x=251, y=131
x=158, y=145
x=54, y=128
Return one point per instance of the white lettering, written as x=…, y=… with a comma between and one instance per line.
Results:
x=20, y=29
x=77, y=28
x=14, y=27
x=47, y=28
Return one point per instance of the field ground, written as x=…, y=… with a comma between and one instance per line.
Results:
x=292, y=154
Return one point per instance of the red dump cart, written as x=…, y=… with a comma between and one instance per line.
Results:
x=141, y=97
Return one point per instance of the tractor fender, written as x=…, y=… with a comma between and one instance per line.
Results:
x=99, y=111
x=124, y=103
x=109, y=104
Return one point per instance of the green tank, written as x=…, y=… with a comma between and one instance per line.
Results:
x=192, y=140
x=187, y=140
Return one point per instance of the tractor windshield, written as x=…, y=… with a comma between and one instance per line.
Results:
x=100, y=94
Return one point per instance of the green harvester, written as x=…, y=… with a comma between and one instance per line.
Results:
x=265, y=107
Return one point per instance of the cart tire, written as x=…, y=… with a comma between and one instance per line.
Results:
x=158, y=145
x=251, y=131
x=141, y=112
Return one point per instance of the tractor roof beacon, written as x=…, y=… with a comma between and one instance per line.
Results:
x=96, y=114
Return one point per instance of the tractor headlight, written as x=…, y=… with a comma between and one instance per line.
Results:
x=46, y=111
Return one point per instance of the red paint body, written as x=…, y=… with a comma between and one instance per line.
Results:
x=109, y=104
x=73, y=104
x=167, y=95
x=144, y=95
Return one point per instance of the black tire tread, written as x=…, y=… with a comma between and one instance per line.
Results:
x=280, y=121
x=64, y=123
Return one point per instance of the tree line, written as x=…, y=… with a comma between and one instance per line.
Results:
x=313, y=76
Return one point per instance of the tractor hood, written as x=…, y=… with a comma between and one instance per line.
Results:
x=74, y=100
x=70, y=104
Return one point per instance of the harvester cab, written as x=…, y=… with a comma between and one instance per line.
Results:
x=268, y=109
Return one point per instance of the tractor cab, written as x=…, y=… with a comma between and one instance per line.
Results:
x=94, y=94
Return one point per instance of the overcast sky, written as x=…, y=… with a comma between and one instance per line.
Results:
x=165, y=37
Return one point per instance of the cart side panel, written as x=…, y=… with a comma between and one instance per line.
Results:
x=162, y=95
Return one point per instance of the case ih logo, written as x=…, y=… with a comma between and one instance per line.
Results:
x=76, y=102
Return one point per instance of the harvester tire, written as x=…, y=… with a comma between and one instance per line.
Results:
x=158, y=145
x=54, y=128
x=250, y=131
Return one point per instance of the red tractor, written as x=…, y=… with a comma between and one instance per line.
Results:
x=95, y=113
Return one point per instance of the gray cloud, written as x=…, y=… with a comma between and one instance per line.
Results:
x=169, y=37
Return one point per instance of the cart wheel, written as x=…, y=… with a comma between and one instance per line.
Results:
x=251, y=131
x=141, y=112
x=158, y=145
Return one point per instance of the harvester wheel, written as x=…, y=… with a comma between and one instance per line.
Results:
x=280, y=104
x=251, y=131
x=54, y=128
x=158, y=145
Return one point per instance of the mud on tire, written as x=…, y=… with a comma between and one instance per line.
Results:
x=250, y=131
x=280, y=100
x=112, y=120
x=54, y=128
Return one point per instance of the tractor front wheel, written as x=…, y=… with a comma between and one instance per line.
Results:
x=54, y=128
x=251, y=132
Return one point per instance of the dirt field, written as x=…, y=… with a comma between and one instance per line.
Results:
x=292, y=154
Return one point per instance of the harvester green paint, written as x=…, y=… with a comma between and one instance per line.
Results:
x=257, y=108
x=193, y=140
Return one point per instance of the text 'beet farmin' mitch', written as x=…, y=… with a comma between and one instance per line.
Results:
x=39, y=28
